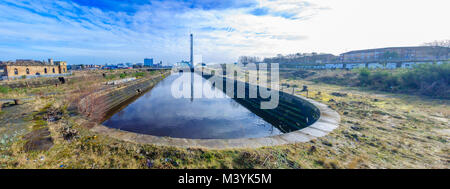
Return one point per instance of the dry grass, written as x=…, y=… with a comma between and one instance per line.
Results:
x=378, y=130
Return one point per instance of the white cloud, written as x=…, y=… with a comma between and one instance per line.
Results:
x=356, y=24
x=86, y=34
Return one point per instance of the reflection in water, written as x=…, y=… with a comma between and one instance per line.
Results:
x=159, y=113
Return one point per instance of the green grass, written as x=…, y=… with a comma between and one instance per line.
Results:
x=125, y=75
x=405, y=138
x=4, y=89
x=110, y=77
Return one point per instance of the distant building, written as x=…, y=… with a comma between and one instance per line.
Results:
x=159, y=65
x=293, y=60
x=84, y=67
x=148, y=62
x=110, y=67
x=397, y=53
x=74, y=67
x=21, y=68
x=121, y=66
x=138, y=65
x=183, y=64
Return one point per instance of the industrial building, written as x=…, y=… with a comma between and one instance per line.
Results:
x=30, y=68
x=148, y=62
x=419, y=53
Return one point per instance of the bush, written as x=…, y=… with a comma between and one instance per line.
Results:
x=139, y=74
x=110, y=77
x=363, y=76
x=426, y=79
x=4, y=89
x=431, y=80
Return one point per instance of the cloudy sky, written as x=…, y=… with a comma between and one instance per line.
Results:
x=112, y=31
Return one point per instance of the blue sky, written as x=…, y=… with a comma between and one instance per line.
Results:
x=113, y=31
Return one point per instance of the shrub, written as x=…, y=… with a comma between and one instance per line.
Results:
x=363, y=76
x=4, y=89
x=110, y=77
x=426, y=79
x=139, y=74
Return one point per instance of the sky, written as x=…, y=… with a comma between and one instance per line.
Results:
x=114, y=31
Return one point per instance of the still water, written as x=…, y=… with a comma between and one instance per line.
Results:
x=159, y=113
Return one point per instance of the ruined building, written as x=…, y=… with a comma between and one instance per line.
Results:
x=20, y=68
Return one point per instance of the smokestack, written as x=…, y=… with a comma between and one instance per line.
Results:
x=192, y=50
x=50, y=61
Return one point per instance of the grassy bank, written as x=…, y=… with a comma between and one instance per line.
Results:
x=426, y=80
x=378, y=130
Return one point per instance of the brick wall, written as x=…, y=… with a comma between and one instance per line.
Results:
x=35, y=70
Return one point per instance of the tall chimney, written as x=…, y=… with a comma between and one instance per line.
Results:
x=192, y=50
x=50, y=61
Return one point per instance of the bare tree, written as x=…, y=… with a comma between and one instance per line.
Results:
x=441, y=48
x=441, y=43
x=249, y=59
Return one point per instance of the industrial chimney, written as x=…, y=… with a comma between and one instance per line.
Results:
x=192, y=50
x=50, y=61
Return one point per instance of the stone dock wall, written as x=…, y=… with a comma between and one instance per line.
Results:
x=323, y=121
x=97, y=106
x=292, y=113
